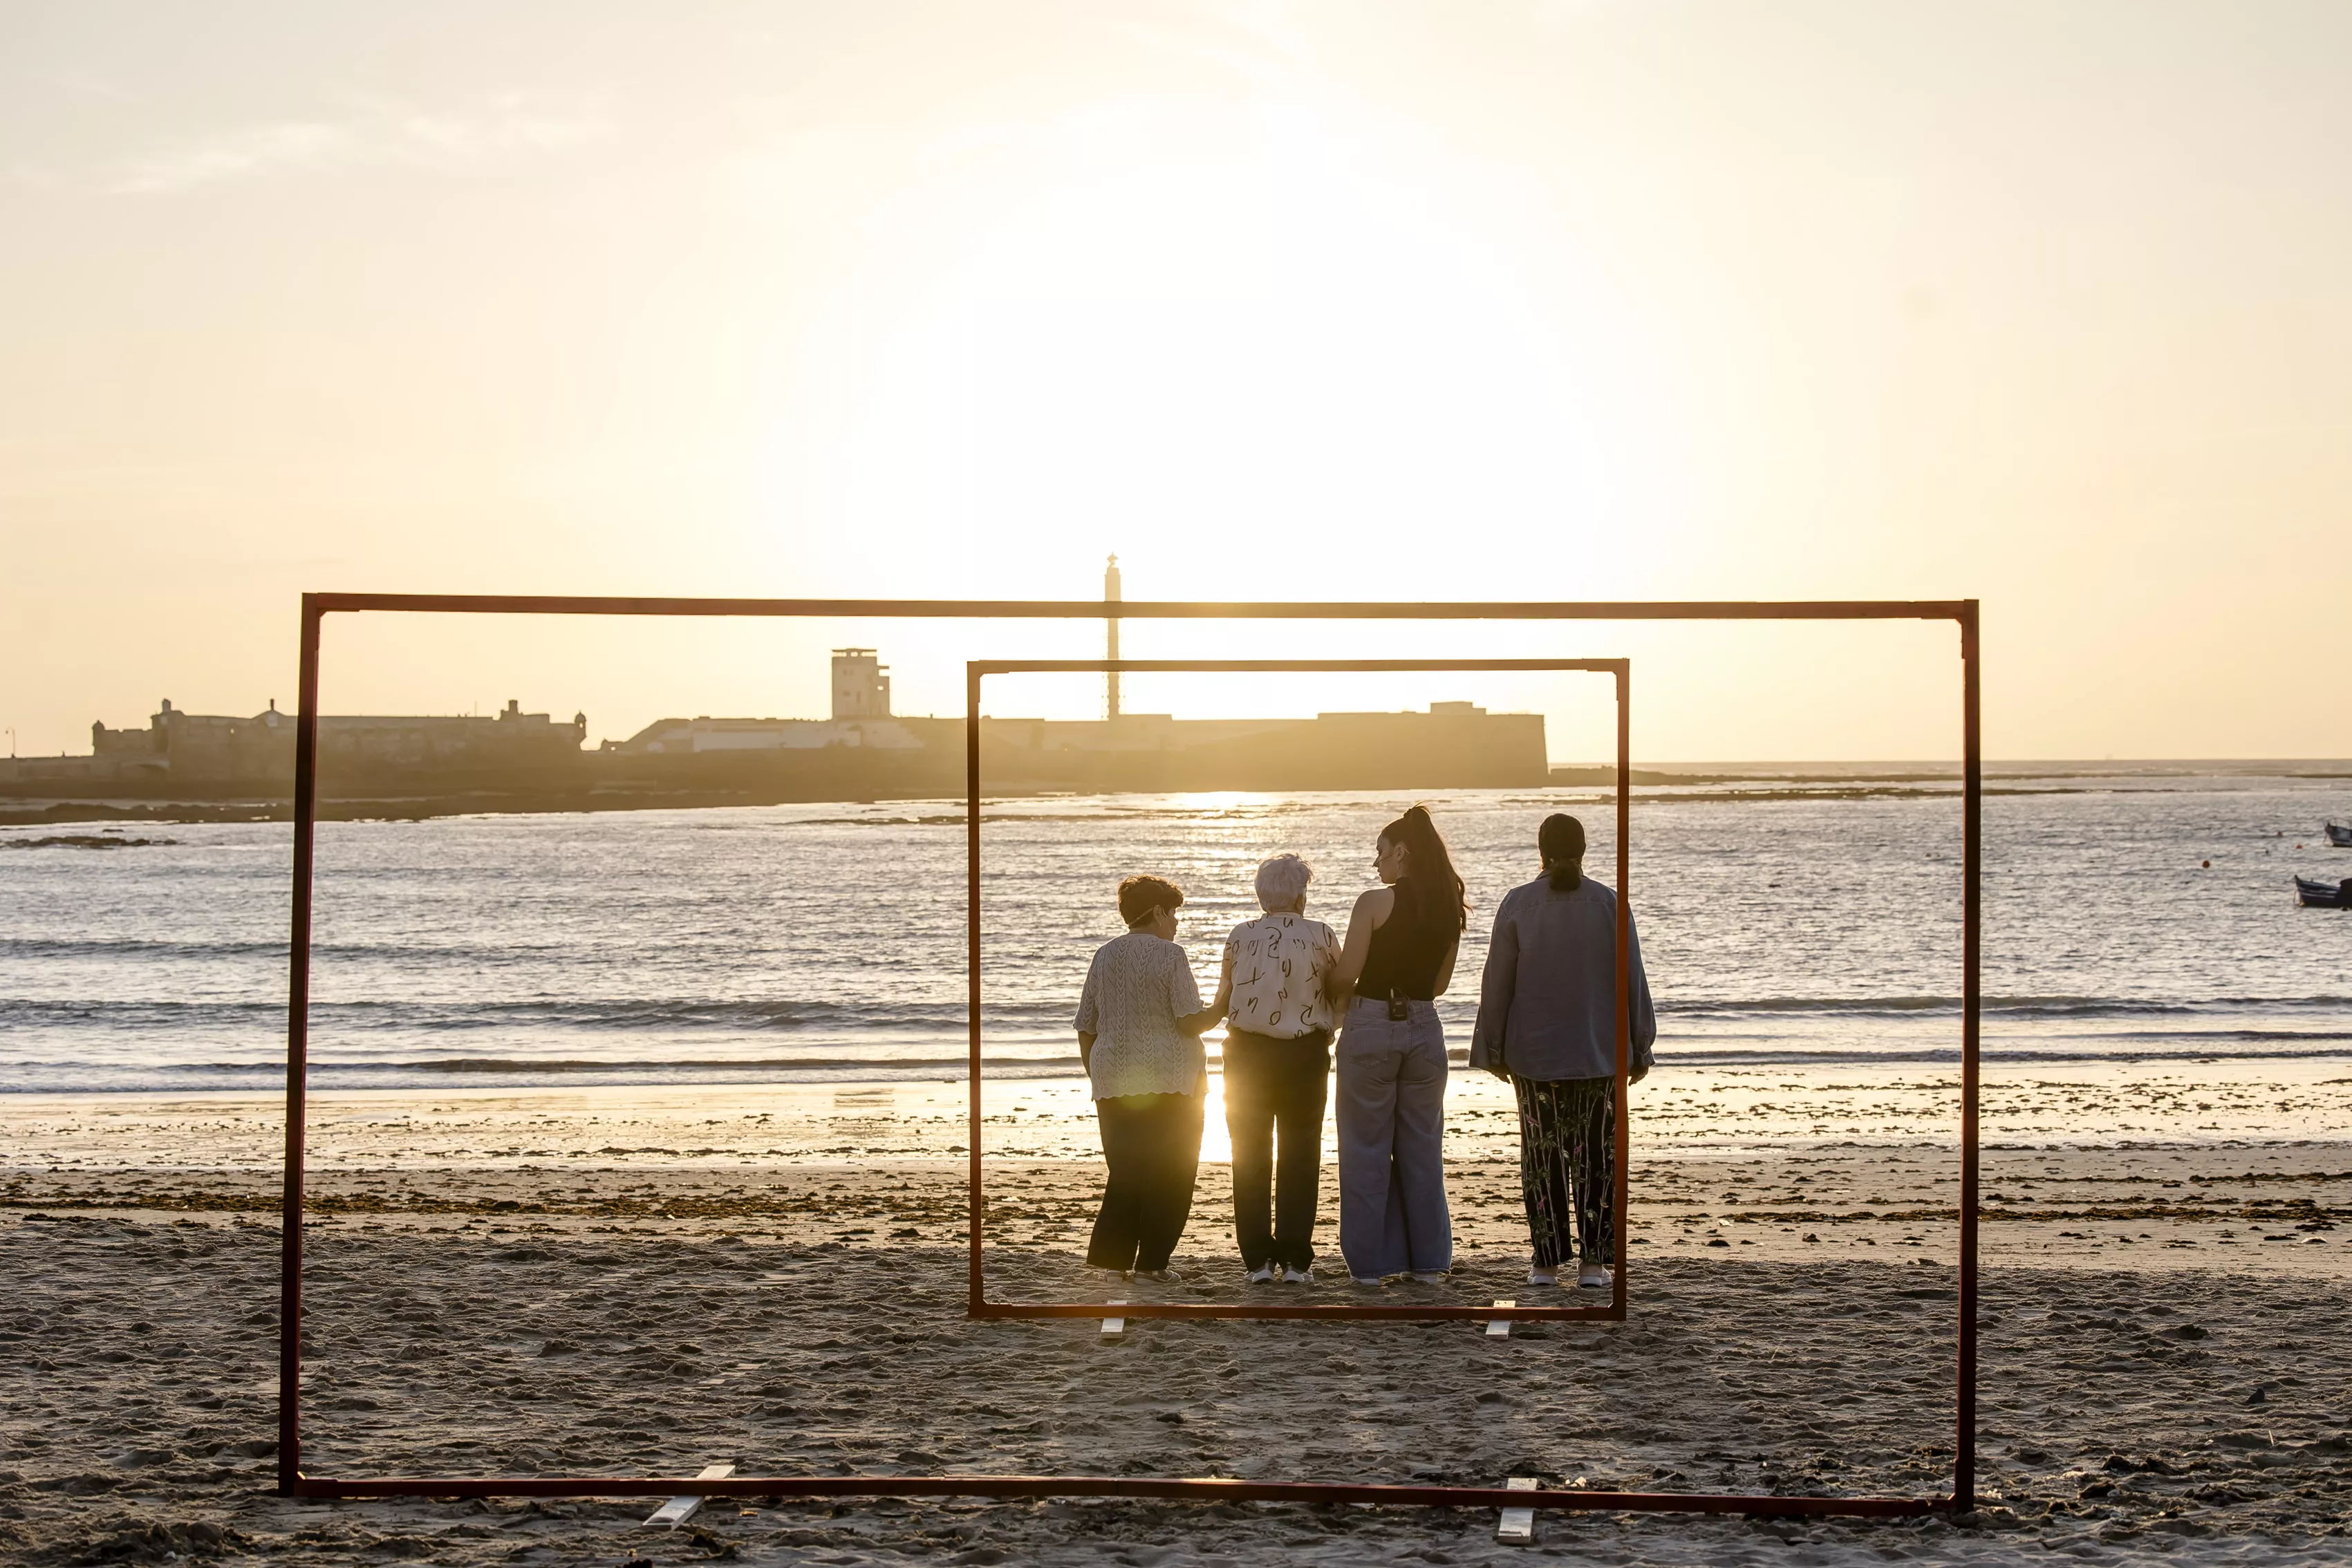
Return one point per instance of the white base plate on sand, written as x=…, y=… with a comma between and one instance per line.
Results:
x=1518, y=1524
x=1500, y=1328
x=1114, y=1325
x=678, y=1509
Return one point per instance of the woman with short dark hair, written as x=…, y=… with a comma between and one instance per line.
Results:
x=1399, y=959
x=1548, y=1021
x=1139, y=1022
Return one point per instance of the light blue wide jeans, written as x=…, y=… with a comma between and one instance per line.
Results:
x=1392, y=1117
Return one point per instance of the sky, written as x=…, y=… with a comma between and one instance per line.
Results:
x=2045, y=304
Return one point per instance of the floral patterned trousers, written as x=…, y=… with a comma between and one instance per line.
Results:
x=1567, y=1161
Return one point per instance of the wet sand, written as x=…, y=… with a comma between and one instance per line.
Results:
x=519, y=1282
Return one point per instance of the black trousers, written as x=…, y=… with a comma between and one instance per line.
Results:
x=1152, y=1145
x=1568, y=1168
x=1276, y=1086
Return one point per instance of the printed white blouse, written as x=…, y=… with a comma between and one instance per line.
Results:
x=1278, y=964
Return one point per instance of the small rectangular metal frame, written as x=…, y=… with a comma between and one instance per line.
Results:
x=316, y=607
x=976, y=670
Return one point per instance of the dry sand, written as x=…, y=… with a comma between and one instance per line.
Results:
x=610, y=1280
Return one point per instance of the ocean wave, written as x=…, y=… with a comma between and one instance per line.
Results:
x=777, y=1014
x=564, y=1066
x=2006, y=1007
x=486, y=1073
x=544, y=1015
x=2286, y=1047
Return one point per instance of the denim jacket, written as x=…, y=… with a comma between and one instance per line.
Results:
x=1547, y=1003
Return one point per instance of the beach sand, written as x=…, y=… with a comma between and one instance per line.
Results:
x=526, y=1282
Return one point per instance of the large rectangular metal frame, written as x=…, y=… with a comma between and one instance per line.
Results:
x=976, y=670
x=316, y=607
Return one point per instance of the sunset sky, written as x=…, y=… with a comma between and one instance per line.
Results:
x=2048, y=304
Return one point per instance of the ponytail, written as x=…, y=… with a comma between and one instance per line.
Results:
x=1560, y=841
x=1443, y=899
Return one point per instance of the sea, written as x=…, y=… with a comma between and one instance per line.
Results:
x=2142, y=914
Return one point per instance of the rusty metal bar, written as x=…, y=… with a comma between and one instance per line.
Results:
x=1621, y=1183
x=979, y=1306
x=1435, y=1312
x=1266, y=666
x=298, y=1057
x=1964, y=1439
x=1150, y=609
x=978, y=1295
x=1196, y=1489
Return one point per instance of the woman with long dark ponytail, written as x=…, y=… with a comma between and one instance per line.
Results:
x=1398, y=960
x=1548, y=1021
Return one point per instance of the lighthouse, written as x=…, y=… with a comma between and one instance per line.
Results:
x=1110, y=639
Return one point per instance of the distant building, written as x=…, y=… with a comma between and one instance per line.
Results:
x=213, y=751
x=691, y=737
x=863, y=752
x=861, y=719
x=1454, y=745
x=861, y=684
x=179, y=744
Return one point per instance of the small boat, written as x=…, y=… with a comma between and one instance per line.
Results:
x=2319, y=895
x=2339, y=835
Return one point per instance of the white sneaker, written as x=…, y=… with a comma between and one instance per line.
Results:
x=1592, y=1277
x=1299, y=1276
x=1371, y=1281
x=1433, y=1279
x=1166, y=1276
x=1543, y=1275
x=1261, y=1275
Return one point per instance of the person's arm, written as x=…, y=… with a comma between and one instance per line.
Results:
x=1370, y=913
x=1646, y=1015
x=1321, y=967
x=1185, y=998
x=1088, y=1021
x=1496, y=987
x=1224, y=1002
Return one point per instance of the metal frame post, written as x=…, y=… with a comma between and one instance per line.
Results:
x=977, y=1300
x=1621, y=1184
x=298, y=1060
x=1964, y=1438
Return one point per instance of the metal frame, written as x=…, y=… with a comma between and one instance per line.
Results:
x=1621, y=669
x=316, y=607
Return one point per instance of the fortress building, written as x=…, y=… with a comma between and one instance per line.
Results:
x=862, y=751
x=861, y=684
x=208, y=754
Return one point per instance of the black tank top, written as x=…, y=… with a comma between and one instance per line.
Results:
x=1407, y=948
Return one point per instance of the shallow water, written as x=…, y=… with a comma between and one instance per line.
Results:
x=814, y=942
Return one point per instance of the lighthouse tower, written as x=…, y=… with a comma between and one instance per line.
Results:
x=1110, y=639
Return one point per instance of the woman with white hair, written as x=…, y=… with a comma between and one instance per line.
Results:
x=1277, y=1069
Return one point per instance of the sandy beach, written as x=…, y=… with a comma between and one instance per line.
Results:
x=528, y=1282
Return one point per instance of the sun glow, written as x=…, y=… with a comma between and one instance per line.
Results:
x=1179, y=326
